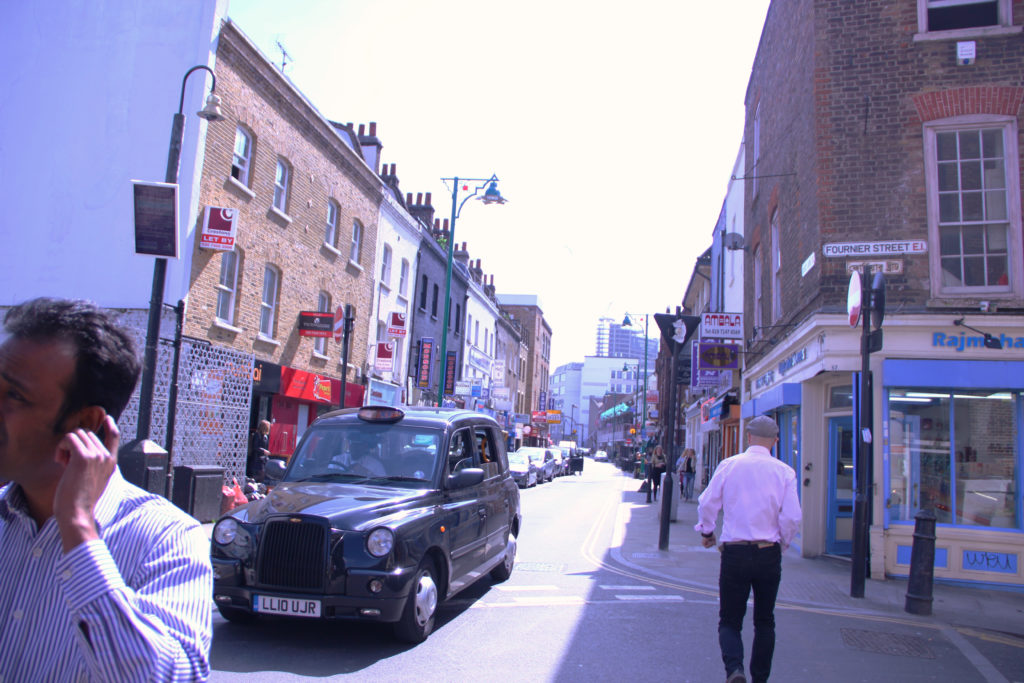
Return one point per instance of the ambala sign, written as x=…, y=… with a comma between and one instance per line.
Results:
x=721, y=326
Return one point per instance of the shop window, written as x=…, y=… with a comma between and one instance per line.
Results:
x=954, y=453
x=840, y=397
x=973, y=206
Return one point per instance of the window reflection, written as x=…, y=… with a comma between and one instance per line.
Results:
x=954, y=453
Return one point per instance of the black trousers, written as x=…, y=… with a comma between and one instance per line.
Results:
x=746, y=567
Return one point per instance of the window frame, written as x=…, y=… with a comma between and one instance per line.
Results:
x=776, y=265
x=403, y=278
x=268, y=309
x=223, y=290
x=323, y=304
x=433, y=302
x=385, y=265
x=356, y=248
x=424, y=286
x=1011, y=169
x=758, y=290
x=281, y=185
x=331, y=223
x=1004, y=22
x=244, y=171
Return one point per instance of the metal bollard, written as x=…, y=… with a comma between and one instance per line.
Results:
x=922, y=565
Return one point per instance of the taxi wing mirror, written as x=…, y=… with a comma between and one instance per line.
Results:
x=274, y=469
x=470, y=476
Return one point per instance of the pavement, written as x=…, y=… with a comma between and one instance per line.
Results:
x=818, y=584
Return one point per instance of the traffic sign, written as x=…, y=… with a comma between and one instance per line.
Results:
x=853, y=299
x=339, y=323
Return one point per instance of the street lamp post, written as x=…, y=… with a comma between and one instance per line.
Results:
x=490, y=196
x=211, y=112
x=626, y=322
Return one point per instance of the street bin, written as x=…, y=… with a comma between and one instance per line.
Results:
x=145, y=463
x=197, y=491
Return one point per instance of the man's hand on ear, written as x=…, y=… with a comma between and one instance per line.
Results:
x=88, y=463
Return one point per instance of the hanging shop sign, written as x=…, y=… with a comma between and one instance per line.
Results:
x=480, y=360
x=308, y=386
x=554, y=417
x=385, y=357
x=316, y=324
x=498, y=373
x=426, y=354
x=718, y=356
x=539, y=417
x=450, y=367
x=703, y=378
x=219, y=228
x=396, y=324
x=721, y=326
x=156, y=218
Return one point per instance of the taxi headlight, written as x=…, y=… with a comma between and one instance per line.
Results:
x=380, y=542
x=225, y=531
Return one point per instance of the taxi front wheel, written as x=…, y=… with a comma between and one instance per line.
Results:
x=417, y=619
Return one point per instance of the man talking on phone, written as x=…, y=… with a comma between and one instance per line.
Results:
x=761, y=514
x=99, y=579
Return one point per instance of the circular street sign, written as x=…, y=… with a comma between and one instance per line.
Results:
x=853, y=299
x=527, y=429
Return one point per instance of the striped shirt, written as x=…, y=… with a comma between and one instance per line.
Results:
x=134, y=605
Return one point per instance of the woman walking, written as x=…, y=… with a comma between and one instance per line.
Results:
x=687, y=470
x=657, y=468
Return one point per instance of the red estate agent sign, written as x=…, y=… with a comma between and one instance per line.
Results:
x=219, y=228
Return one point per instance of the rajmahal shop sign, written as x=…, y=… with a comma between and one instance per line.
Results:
x=785, y=365
x=962, y=341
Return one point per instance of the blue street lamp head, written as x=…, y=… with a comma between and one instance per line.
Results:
x=492, y=196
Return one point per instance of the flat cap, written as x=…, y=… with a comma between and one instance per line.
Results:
x=763, y=426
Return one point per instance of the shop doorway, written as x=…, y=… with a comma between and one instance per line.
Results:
x=841, y=476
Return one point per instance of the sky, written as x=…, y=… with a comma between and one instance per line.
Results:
x=613, y=128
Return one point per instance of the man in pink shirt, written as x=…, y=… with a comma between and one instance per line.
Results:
x=761, y=515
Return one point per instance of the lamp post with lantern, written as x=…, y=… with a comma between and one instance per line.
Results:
x=490, y=196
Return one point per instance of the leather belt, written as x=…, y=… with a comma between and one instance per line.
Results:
x=759, y=544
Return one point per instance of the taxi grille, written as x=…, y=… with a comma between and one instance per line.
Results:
x=293, y=555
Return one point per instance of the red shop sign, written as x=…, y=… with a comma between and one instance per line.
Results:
x=308, y=386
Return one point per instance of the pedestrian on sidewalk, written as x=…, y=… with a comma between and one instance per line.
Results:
x=757, y=493
x=99, y=579
x=687, y=470
x=657, y=468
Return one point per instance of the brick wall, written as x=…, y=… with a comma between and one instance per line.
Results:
x=281, y=124
x=843, y=89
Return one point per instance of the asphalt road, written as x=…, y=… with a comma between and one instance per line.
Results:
x=571, y=613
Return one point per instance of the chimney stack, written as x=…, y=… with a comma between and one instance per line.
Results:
x=370, y=146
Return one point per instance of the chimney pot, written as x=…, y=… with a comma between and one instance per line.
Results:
x=464, y=248
x=419, y=198
x=445, y=224
x=408, y=198
x=428, y=199
x=437, y=224
x=393, y=168
x=373, y=130
x=362, y=129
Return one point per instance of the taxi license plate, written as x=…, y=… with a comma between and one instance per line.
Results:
x=295, y=607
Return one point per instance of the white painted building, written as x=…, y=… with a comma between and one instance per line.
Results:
x=95, y=89
x=480, y=341
x=398, y=240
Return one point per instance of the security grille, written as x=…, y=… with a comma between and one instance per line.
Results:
x=211, y=425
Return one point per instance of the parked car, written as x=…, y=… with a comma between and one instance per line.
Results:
x=543, y=460
x=567, y=454
x=600, y=456
x=561, y=464
x=381, y=514
x=524, y=470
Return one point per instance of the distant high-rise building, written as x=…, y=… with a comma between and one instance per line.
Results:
x=617, y=341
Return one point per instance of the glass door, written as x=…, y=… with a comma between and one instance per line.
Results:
x=839, y=528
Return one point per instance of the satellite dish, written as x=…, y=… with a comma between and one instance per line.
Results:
x=734, y=241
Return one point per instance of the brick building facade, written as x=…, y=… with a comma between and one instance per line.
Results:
x=872, y=138
x=307, y=206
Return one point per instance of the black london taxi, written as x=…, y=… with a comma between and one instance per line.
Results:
x=381, y=514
